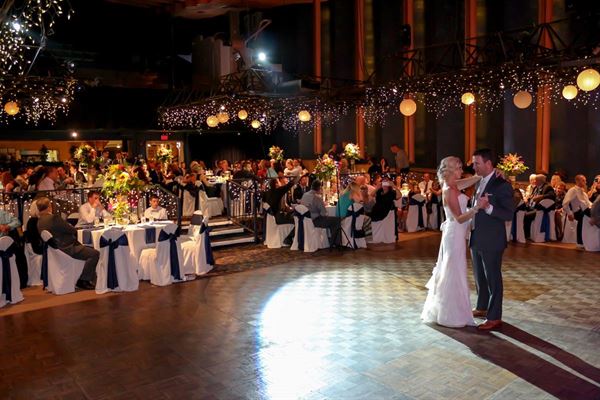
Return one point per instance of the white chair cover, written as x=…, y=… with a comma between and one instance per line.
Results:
x=516, y=228
x=590, y=234
x=122, y=275
x=34, y=266
x=274, y=233
x=354, y=234
x=197, y=252
x=308, y=237
x=63, y=271
x=570, y=227
x=384, y=231
x=10, y=291
x=157, y=263
x=416, y=219
x=543, y=227
x=189, y=204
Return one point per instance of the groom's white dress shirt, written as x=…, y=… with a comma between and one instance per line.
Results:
x=480, y=190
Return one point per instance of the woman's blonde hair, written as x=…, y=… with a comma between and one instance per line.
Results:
x=447, y=167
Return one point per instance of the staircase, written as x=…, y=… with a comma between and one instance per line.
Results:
x=225, y=232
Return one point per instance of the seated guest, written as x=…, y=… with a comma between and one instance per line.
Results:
x=262, y=169
x=555, y=181
x=76, y=174
x=49, y=180
x=594, y=192
x=577, y=194
x=384, y=200
x=63, y=179
x=301, y=188
x=595, y=213
x=318, y=213
x=275, y=197
x=530, y=188
x=383, y=166
x=560, y=190
x=155, y=211
x=374, y=167
x=425, y=184
x=349, y=196
x=32, y=235
x=66, y=239
x=8, y=227
x=91, y=210
x=272, y=171
x=541, y=191
x=245, y=172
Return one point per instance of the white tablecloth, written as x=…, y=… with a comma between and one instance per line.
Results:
x=331, y=210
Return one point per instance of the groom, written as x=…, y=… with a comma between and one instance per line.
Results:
x=494, y=196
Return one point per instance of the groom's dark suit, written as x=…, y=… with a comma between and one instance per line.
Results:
x=488, y=241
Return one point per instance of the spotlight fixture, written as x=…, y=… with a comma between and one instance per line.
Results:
x=262, y=56
x=74, y=134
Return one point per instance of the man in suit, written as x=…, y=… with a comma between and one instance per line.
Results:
x=494, y=197
x=66, y=239
x=318, y=213
x=301, y=188
x=540, y=192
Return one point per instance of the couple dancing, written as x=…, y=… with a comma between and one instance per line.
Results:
x=448, y=301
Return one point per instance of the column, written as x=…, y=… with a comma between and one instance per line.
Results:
x=470, y=121
x=543, y=109
x=408, y=17
x=318, y=141
x=359, y=67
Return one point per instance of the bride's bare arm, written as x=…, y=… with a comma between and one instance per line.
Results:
x=450, y=197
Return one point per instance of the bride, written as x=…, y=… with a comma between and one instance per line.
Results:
x=448, y=302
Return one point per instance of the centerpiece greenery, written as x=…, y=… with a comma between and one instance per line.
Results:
x=164, y=155
x=276, y=153
x=512, y=165
x=122, y=189
x=325, y=168
x=85, y=155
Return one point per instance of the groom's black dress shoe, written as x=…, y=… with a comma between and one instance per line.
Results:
x=85, y=285
x=479, y=313
x=489, y=325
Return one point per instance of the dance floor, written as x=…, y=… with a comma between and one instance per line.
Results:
x=331, y=326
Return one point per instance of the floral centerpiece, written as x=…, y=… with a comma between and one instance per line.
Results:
x=164, y=155
x=352, y=153
x=85, y=154
x=121, y=188
x=325, y=168
x=512, y=165
x=276, y=153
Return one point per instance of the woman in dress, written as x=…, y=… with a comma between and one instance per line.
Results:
x=448, y=302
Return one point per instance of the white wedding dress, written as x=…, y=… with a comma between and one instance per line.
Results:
x=448, y=302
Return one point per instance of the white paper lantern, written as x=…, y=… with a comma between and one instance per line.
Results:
x=408, y=107
x=467, y=98
x=569, y=92
x=588, y=79
x=522, y=99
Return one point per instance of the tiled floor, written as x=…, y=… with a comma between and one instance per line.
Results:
x=335, y=326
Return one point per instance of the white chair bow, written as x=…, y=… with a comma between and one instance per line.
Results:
x=10, y=291
x=60, y=271
x=308, y=238
x=384, y=231
x=116, y=268
x=164, y=263
x=197, y=252
x=352, y=225
x=417, y=214
x=273, y=232
x=516, y=228
x=34, y=266
x=543, y=227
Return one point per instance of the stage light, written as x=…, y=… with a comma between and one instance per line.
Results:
x=588, y=79
x=522, y=99
x=304, y=116
x=74, y=134
x=408, y=107
x=243, y=114
x=569, y=92
x=468, y=98
x=262, y=56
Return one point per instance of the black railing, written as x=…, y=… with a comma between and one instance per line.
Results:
x=242, y=202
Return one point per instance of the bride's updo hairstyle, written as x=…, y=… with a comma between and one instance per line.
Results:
x=447, y=168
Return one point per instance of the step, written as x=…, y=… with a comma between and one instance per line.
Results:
x=226, y=230
x=232, y=240
x=220, y=222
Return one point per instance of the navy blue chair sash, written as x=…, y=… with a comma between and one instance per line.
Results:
x=173, y=253
x=513, y=228
x=266, y=211
x=301, y=217
x=150, y=234
x=438, y=205
x=205, y=230
x=44, y=272
x=356, y=233
x=545, y=226
x=420, y=204
x=112, y=280
x=5, y=255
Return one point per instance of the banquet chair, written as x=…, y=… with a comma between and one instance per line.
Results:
x=10, y=291
x=308, y=238
x=197, y=251
x=417, y=214
x=590, y=233
x=434, y=220
x=352, y=225
x=34, y=266
x=73, y=218
x=384, y=231
x=116, y=270
x=542, y=227
x=273, y=232
x=516, y=228
x=164, y=263
x=570, y=227
x=60, y=271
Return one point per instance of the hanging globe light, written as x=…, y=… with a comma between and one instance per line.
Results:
x=212, y=121
x=223, y=117
x=243, y=114
x=588, y=79
x=408, y=107
x=467, y=98
x=255, y=124
x=304, y=116
x=569, y=92
x=522, y=99
x=11, y=108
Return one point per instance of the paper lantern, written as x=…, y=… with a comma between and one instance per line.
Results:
x=243, y=114
x=468, y=98
x=588, y=79
x=255, y=124
x=408, y=107
x=522, y=99
x=223, y=117
x=304, y=116
x=11, y=108
x=569, y=92
x=212, y=121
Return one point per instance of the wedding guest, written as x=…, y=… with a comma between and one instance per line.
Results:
x=49, y=180
x=577, y=193
x=66, y=238
x=530, y=187
x=374, y=166
x=9, y=225
x=22, y=179
x=594, y=189
x=275, y=196
x=63, y=179
x=262, y=169
x=155, y=211
x=555, y=180
x=91, y=210
x=76, y=174
x=425, y=184
x=343, y=166
x=245, y=172
x=349, y=196
x=595, y=213
x=401, y=159
x=541, y=191
x=301, y=188
x=272, y=171
x=31, y=233
x=289, y=166
x=384, y=200
x=8, y=183
x=313, y=200
x=297, y=169
x=333, y=152
x=560, y=190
